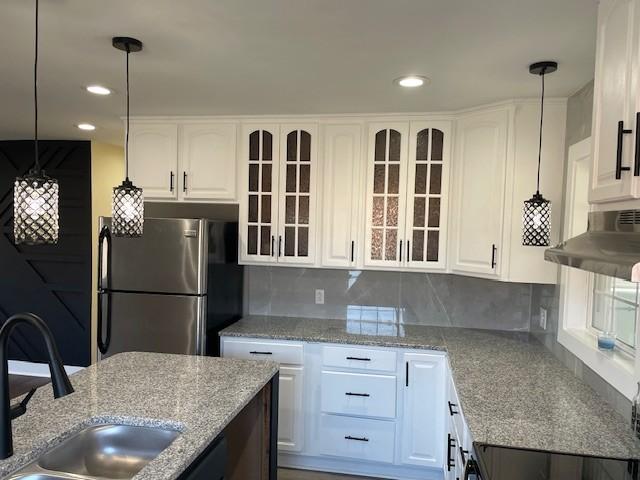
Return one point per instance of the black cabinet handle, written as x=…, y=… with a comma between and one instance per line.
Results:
x=463, y=454
x=357, y=394
x=619, y=168
x=360, y=359
x=494, y=249
x=636, y=163
x=400, y=250
x=408, y=249
x=260, y=353
x=452, y=412
x=279, y=245
x=171, y=182
x=358, y=439
x=184, y=181
x=406, y=376
x=451, y=444
x=353, y=246
x=273, y=244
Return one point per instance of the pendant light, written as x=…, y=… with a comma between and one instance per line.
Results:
x=536, y=214
x=127, y=208
x=35, y=196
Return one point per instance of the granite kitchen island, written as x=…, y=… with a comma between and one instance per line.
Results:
x=202, y=398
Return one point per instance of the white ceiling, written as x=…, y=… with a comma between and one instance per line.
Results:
x=282, y=57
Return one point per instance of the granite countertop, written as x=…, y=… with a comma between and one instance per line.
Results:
x=197, y=396
x=513, y=391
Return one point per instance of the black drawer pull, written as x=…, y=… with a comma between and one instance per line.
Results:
x=358, y=439
x=260, y=353
x=452, y=412
x=619, y=168
x=463, y=454
x=171, y=182
x=184, y=181
x=451, y=461
x=493, y=255
x=357, y=394
x=360, y=359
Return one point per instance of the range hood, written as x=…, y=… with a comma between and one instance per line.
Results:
x=610, y=246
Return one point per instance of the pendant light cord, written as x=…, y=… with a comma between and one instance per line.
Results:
x=35, y=94
x=126, y=150
x=540, y=139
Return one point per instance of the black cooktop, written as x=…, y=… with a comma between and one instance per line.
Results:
x=502, y=463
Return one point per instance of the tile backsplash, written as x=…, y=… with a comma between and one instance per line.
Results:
x=393, y=297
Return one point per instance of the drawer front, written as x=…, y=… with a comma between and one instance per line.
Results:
x=357, y=438
x=288, y=353
x=359, y=358
x=359, y=394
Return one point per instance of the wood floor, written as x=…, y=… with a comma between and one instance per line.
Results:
x=19, y=384
x=291, y=474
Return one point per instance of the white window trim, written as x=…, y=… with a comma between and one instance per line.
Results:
x=574, y=323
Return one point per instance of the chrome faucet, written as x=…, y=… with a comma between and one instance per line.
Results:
x=59, y=379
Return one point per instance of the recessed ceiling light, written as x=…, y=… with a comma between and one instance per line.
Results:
x=98, y=90
x=412, y=81
x=86, y=126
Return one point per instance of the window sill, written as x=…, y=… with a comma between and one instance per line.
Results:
x=615, y=367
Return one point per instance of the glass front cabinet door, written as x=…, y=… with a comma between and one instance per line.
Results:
x=277, y=217
x=407, y=185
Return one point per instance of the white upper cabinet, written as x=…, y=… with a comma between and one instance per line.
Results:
x=278, y=194
x=479, y=184
x=190, y=161
x=386, y=194
x=341, y=180
x=494, y=172
x=259, y=193
x=208, y=161
x=616, y=159
x=153, y=159
x=297, y=193
x=427, y=195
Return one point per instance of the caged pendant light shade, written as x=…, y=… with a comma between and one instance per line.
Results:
x=127, y=208
x=35, y=195
x=536, y=213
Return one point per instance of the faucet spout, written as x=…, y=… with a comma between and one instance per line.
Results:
x=59, y=379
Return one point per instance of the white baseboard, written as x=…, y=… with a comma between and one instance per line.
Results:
x=31, y=369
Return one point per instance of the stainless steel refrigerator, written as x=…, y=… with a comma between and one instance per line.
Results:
x=170, y=290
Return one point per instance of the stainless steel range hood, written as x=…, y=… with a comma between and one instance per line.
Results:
x=611, y=246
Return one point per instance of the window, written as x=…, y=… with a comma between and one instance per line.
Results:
x=614, y=308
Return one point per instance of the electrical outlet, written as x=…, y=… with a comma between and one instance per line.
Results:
x=319, y=296
x=543, y=318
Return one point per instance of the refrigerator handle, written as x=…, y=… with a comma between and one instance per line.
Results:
x=105, y=235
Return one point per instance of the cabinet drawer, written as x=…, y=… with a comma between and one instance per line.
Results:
x=289, y=353
x=360, y=358
x=454, y=409
x=357, y=438
x=359, y=394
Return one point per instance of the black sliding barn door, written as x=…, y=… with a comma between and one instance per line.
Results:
x=52, y=281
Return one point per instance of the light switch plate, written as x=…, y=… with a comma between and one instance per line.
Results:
x=543, y=318
x=319, y=296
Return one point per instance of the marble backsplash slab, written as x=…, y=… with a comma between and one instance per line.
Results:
x=393, y=297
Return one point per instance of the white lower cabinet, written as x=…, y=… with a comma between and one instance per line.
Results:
x=290, y=409
x=422, y=419
x=361, y=410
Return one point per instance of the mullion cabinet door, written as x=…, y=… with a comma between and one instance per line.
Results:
x=259, y=205
x=386, y=194
x=427, y=195
x=298, y=167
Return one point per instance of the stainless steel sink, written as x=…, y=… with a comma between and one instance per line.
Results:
x=100, y=451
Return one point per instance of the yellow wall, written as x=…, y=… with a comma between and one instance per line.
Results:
x=107, y=171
